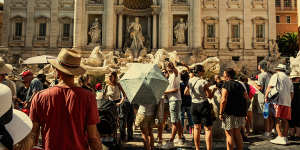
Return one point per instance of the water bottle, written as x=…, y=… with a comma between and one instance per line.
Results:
x=266, y=110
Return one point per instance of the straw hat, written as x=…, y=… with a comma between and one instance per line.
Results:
x=15, y=124
x=294, y=74
x=5, y=68
x=68, y=61
x=281, y=67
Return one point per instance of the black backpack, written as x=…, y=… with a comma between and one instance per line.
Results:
x=108, y=117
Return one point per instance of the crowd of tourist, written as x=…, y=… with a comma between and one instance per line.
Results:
x=65, y=115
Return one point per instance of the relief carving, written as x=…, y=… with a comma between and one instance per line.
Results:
x=43, y=3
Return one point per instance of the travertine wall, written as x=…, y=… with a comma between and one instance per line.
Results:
x=222, y=12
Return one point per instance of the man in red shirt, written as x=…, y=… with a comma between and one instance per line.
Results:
x=67, y=115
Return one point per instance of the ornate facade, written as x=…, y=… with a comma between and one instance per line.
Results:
x=225, y=28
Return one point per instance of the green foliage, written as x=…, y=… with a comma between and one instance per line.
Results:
x=289, y=44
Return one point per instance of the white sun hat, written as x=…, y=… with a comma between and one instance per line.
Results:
x=14, y=125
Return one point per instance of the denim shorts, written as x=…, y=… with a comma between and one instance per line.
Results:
x=175, y=110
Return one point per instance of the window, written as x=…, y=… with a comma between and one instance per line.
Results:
x=236, y=58
x=259, y=59
x=235, y=33
x=260, y=33
x=66, y=30
x=211, y=32
x=18, y=31
x=277, y=19
x=43, y=29
x=288, y=19
x=287, y=3
x=278, y=3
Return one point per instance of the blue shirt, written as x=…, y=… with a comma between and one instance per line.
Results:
x=35, y=86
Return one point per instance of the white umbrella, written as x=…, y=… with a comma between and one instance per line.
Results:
x=144, y=84
x=38, y=60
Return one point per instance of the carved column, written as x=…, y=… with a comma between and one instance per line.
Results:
x=30, y=24
x=79, y=11
x=109, y=24
x=54, y=24
x=197, y=33
x=120, y=36
x=154, y=36
x=164, y=24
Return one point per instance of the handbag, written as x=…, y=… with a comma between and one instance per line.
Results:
x=273, y=95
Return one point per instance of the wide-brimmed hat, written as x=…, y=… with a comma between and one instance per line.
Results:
x=68, y=61
x=5, y=68
x=14, y=125
x=294, y=74
x=281, y=67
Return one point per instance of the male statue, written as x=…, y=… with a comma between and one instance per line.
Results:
x=136, y=34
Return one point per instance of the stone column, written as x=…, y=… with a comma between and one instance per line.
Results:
x=164, y=24
x=109, y=24
x=248, y=25
x=196, y=26
x=293, y=4
x=79, y=11
x=223, y=25
x=54, y=25
x=154, y=36
x=281, y=4
x=6, y=24
x=298, y=11
x=272, y=20
x=120, y=34
x=30, y=24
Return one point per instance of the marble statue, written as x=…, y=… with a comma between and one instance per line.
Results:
x=136, y=36
x=179, y=31
x=95, y=32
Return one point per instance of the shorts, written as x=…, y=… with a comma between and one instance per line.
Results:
x=175, y=110
x=283, y=112
x=144, y=121
x=232, y=122
x=201, y=113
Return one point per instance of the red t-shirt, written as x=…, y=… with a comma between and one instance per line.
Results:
x=64, y=114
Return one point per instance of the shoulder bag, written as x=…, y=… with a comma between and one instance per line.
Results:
x=273, y=95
